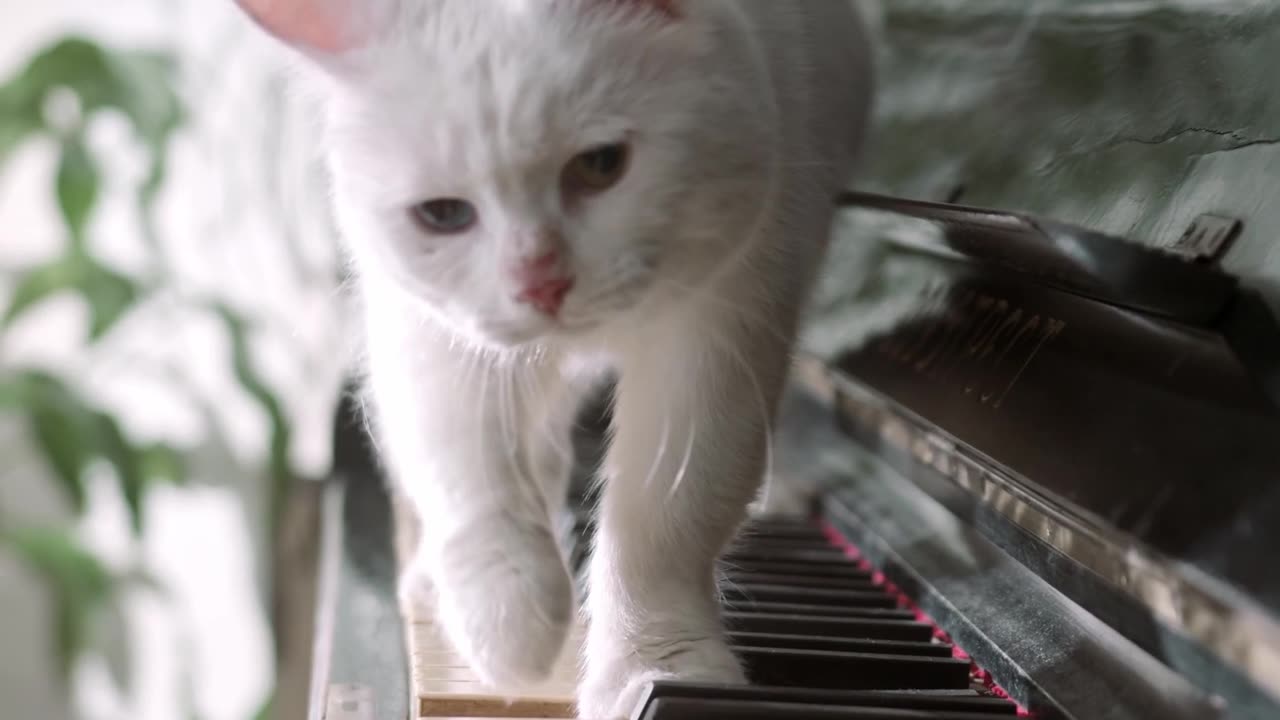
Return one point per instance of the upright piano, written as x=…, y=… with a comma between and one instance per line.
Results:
x=1029, y=460
x=1047, y=483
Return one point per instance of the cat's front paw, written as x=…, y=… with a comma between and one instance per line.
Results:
x=505, y=599
x=617, y=671
x=415, y=592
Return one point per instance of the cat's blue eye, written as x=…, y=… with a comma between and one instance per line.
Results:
x=445, y=216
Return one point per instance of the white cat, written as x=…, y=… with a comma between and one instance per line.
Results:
x=533, y=192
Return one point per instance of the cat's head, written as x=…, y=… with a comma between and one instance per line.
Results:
x=516, y=165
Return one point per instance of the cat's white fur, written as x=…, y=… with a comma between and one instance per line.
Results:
x=744, y=118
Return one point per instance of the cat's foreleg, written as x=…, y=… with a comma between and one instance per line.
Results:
x=693, y=410
x=451, y=426
x=552, y=403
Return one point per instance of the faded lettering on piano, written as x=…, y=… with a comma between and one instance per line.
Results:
x=974, y=340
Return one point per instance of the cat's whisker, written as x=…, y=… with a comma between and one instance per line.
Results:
x=617, y=284
x=583, y=322
x=504, y=412
x=586, y=320
x=518, y=410
x=684, y=464
x=538, y=396
x=606, y=300
x=367, y=421
x=737, y=309
x=527, y=384
x=766, y=419
x=479, y=436
x=724, y=584
x=520, y=404
x=661, y=453
x=735, y=353
x=509, y=433
x=510, y=409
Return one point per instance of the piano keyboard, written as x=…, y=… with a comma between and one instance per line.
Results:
x=822, y=636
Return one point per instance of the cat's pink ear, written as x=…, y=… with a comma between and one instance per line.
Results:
x=316, y=26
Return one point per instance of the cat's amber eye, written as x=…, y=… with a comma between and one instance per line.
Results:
x=445, y=216
x=597, y=169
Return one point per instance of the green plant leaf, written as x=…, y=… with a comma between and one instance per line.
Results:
x=77, y=187
x=146, y=83
x=70, y=435
x=81, y=586
x=38, y=284
x=11, y=393
x=126, y=462
x=62, y=428
x=278, y=462
x=137, y=83
x=267, y=710
x=108, y=294
x=18, y=122
x=146, y=199
x=75, y=63
x=136, y=469
x=161, y=463
x=64, y=440
x=145, y=93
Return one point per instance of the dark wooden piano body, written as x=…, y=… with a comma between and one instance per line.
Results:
x=1055, y=434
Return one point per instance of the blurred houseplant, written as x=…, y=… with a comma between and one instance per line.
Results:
x=55, y=98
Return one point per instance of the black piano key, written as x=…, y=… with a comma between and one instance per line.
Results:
x=786, y=547
x=880, y=613
x=954, y=701
x=855, y=645
x=698, y=709
x=852, y=671
x=743, y=589
x=815, y=556
x=783, y=532
x=842, y=627
x=835, y=567
x=817, y=542
x=753, y=540
x=781, y=525
x=851, y=581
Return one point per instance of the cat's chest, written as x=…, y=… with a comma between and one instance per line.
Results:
x=587, y=366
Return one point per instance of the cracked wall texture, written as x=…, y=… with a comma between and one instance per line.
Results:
x=1127, y=117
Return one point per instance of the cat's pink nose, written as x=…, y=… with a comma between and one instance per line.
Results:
x=547, y=296
x=544, y=280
